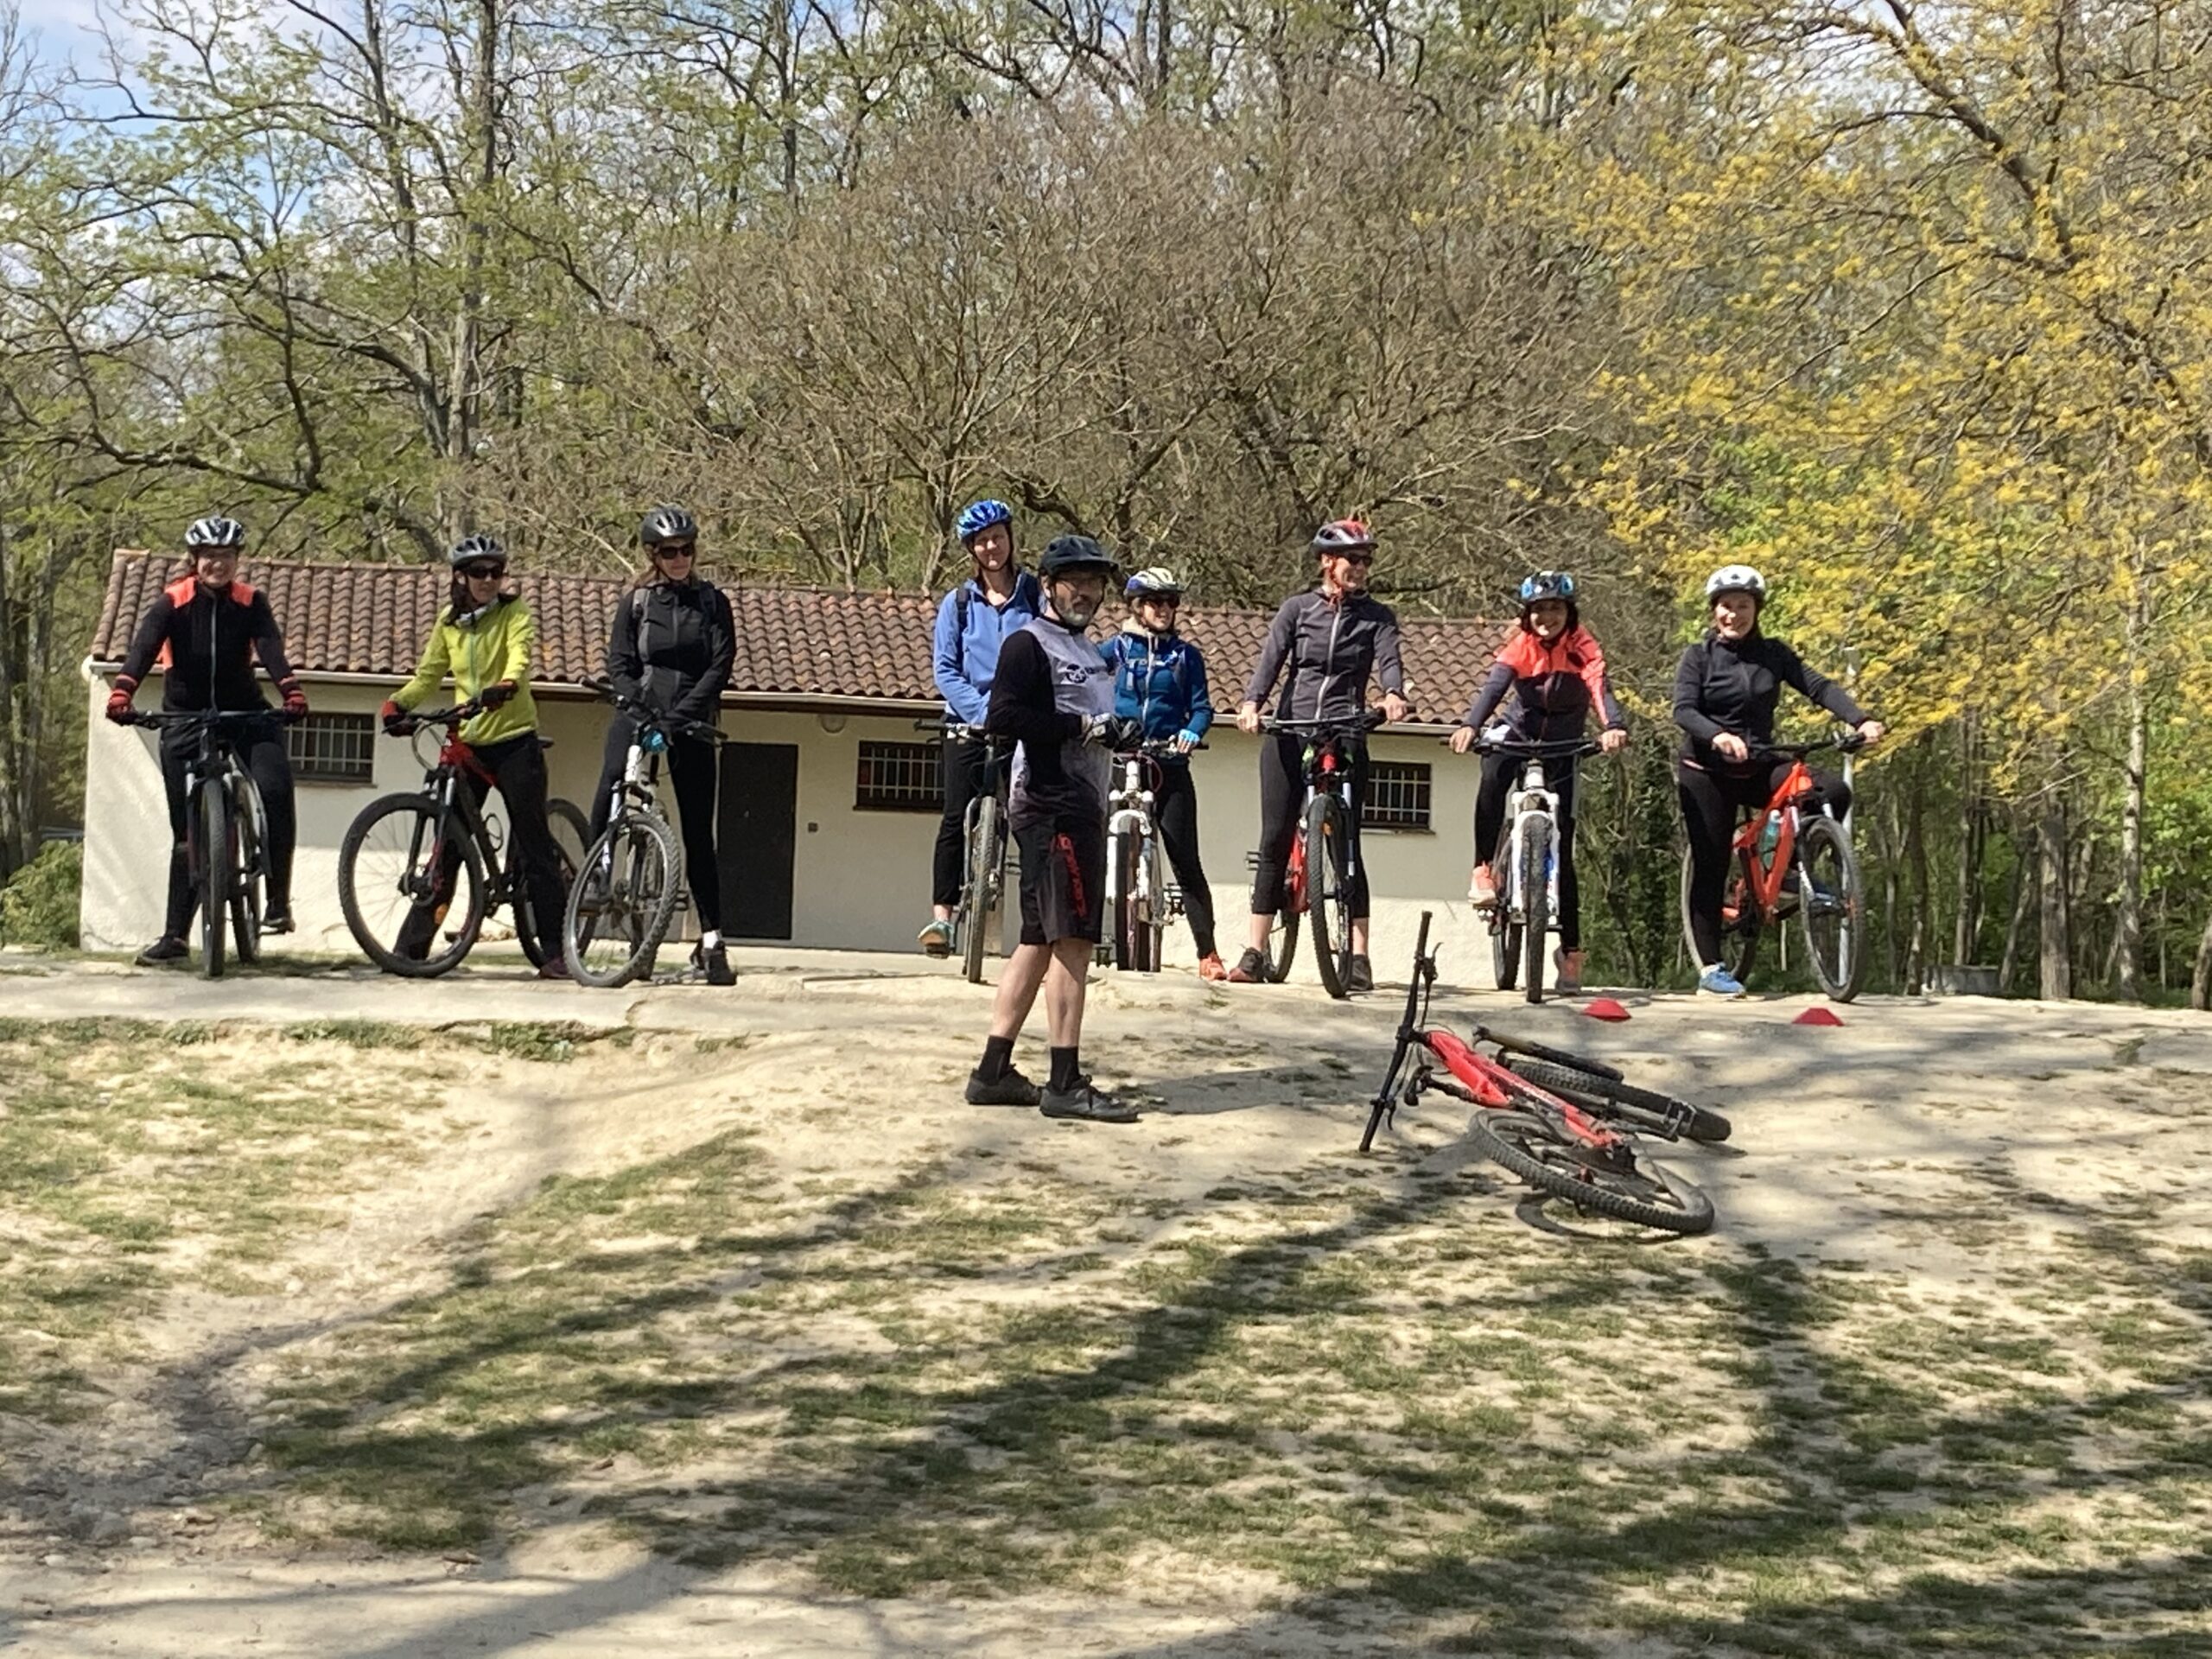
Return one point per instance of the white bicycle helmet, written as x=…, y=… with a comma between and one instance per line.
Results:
x=1735, y=579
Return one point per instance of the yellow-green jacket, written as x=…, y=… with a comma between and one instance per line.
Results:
x=493, y=645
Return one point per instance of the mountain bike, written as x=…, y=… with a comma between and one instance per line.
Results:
x=1139, y=899
x=1526, y=868
x=417, y=873
x=226, y=832
x=626, y=892
x=1557, y=1144
x=1785, y=859
x=983, y=843
x=1318, y=880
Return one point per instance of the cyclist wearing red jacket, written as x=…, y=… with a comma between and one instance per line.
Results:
x=205, y=629
x=1555, y=671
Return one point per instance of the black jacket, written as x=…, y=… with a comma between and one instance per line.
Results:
x=672, y=645
x=1331, y=649
x=207, y=643
x=1724, y=686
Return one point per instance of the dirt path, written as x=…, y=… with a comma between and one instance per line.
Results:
x=1939, y=1149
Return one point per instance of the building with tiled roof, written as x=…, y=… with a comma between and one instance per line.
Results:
x=829, y=790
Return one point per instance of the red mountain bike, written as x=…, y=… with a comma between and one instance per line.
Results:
x=1558, y=1145
x=1786, y=858
x=1317, y=880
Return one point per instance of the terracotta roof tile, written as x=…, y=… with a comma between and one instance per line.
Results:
x=794, y=642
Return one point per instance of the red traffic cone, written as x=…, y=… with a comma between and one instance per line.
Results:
x=1817, y=1015
x=1604, y=1007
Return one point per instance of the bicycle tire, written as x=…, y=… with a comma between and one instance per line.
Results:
x=1327, y=890
x=1122, y=856
x=570, y=831
x=430, y=829
x=1827, y=863
x=247, y=877
x=1281, y=948
x=1525, y=1144
x=979, y=896
x=1739, y=937
x=1153, y=923
x=1536, y=920
x=1504, y=931
x=211, y=815
x=1646, y=1107
x=644, y=868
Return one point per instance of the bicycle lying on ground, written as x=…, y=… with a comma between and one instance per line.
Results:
x=1525, y=870
x=417, y=873
x=1323, y=864
x=626, y=888
x=1786, y=858
x=226, y=832
x=983, y=850
x=1562, y=1141
x=1139, y=902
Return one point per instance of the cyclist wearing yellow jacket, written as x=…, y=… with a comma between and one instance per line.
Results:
x=482, y=638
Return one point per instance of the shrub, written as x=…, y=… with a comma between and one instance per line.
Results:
x=38, y=907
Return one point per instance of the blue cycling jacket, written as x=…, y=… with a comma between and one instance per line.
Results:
x=1160, y=679
x=965, y=645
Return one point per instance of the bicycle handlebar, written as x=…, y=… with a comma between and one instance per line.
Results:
x=1551, y=748
x=453, y=716
x=1158, y=745
x=182, y=717
x=1359, y=724
x=649, y=715
x=1848, y=743
x=959, y=730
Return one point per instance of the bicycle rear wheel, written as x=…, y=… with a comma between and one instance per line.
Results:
x=979, y=897
x=1622, y=1185
x=247, y=873
x=409, y=874
x=1739, y=919
x=1645, y=1108
x=1328, y=893
x=211, y=822
x=1282, y=932
x=1830, y=905
x=619, y=910
x=1536, y=914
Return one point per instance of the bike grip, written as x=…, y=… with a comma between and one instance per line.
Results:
x=1420, y=940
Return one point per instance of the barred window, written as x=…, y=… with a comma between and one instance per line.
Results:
x=899, y=777
x=1397, y=796
x=332, y=748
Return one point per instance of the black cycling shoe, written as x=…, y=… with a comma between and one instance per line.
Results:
x=714, y=964
x=1086, y=1104
x=1360, y=976
x=1251, y=969
x=1011, y=1089
x=163, y=950
x=276, y=921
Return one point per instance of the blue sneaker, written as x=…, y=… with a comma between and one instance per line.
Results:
x=1717, y=981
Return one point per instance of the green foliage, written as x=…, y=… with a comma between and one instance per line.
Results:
x=38, y=907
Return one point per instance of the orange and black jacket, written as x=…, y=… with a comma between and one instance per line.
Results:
x=207, y=642
x=1554, y=687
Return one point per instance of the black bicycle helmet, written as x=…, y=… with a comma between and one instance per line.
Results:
x=214, y=531
x=1066, y=554
x=669, y=523
x=475, y=550
x=1344, y=536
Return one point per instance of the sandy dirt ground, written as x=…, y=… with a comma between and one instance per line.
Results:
x=1847, y=1139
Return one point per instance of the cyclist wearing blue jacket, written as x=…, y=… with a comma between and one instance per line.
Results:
x=972, y=622
x=1160, y=681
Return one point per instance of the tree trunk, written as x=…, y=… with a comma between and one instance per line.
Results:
x=2200, y=982
x=2023, y=889
x=2127, y=914
x=1915, y=853
x=1965, y=933
x=2054, y=944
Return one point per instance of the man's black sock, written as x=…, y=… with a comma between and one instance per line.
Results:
x=998, y=1055
x=1065, y=1070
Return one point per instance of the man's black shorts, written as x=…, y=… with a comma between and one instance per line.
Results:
x=1063, y=880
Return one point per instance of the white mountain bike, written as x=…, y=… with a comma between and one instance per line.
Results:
x=1526, y=870
x=1140, y=899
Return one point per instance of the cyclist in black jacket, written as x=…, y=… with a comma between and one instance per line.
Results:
x=671, y=646
x=206, y=628
x=1330, y=638
x=1725, y=690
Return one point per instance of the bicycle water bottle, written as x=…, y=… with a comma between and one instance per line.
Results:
x=1770, y=836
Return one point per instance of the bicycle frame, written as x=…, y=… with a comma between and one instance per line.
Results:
x=1531, y=810
x=1130, y=814
x=1328, y=769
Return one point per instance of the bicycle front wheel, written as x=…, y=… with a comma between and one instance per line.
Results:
x=1130, y=931
x=1328, y=893
x=1504, y=931
x=214, y=860
x=622, y=905
x=411, y=885
x=1619, y=1183
x=247, y=872
x=1535, y=899
x=1830, y=907
x=979, y=896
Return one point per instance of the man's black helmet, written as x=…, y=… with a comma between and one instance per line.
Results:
x=668, y=525
x=1067, y=553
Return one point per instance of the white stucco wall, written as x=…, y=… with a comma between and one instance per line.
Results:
x=861, y=880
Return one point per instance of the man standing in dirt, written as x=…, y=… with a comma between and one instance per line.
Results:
x=1054, y=696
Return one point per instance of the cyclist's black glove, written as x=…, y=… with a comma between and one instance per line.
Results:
x=494, y=696
x=1113, y=731
x=397, y=722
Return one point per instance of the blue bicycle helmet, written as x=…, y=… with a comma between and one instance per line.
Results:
x=979, y=516
x=1546, y=584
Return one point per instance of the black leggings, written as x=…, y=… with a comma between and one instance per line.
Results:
x=1282, y=800
x=1710, y=802
x=1175, y=811
x=691, y=772
x=259, y=745
x=517, y=769
x=1501, y=776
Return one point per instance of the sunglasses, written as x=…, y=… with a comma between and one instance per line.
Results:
x=1357, y=558
x=673, y=551
x=483, y=572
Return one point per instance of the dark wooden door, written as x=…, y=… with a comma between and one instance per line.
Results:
x=756, y=836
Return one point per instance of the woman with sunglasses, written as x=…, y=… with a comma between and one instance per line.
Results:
x=1331, y=637
x=672, y=644
x=482, y=638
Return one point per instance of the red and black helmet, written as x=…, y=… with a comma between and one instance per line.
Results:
x=1344, y=536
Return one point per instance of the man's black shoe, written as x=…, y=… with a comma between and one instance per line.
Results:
x=1011, y=1089
x=163, y=950
x=276, y=921
x=1360, y=976
x=1251, y=969
x=714, y=963
x=1086, y=1104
